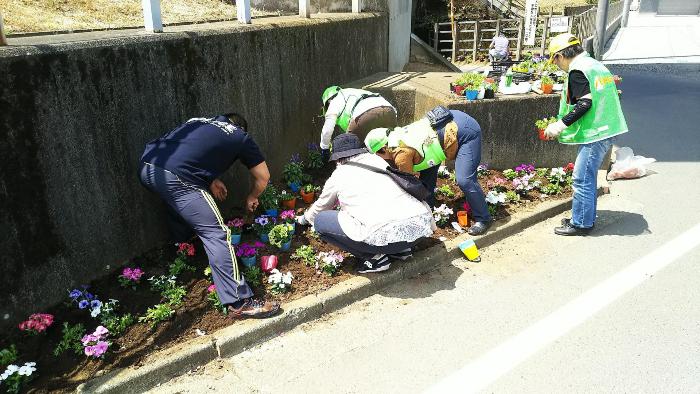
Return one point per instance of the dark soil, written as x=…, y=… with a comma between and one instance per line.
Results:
x=64, y=373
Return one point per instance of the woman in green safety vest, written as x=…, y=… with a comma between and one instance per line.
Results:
x=354, y=111
x=422, y=146
x=589, y=116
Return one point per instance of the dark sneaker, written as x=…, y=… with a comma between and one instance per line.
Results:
x=402, y=255
x=567, y=222
x=378, y=263
x=569, y=229
x=254, y=309
x=479, y=228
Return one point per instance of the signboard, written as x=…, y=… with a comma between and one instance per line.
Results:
x=531, y=8
x=559, y=24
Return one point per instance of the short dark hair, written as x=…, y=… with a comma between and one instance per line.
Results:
x=237, y=120
x=572, y=51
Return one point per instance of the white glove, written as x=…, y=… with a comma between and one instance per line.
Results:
x=301, y=220
x=553, y=130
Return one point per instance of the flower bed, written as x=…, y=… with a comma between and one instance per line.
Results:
x=166, y=295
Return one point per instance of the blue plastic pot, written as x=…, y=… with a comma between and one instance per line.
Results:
x=271, y=212
x=293, y=226
x=265, y=238
x=235, y=239
x=294, y=187
x=248, y=261
x=285, y=247
x=471, y=94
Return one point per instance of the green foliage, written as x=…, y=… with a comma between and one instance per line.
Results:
x=512, y=196
x=311, y=233
x=551, y=189
x=174, y=295
x=445, y=191
x=253, y=276
x=213, y=298
x=207, y=272
x=280, y=235
x=161, y=283
x=546, y=80
x=330, y=269
x=157, y=314
x=471, y=81
x=309, y=188
x=287, y=196
x=179, y=266
x=306, y=254
x=293, y=172
x=71, y=339
x=269, y=198
x=544, y=122
x=493, y=209
x=510, y=174
x=8, y=356
x=315, y=159
x=115, y=323
x=13, y=384
x=542, y=172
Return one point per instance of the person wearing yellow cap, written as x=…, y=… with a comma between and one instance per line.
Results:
x=420, y=147
x=354, y=111
x=590, y=116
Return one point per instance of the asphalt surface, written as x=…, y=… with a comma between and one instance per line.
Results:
x=419, y=334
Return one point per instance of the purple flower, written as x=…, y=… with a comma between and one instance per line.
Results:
x=95, y=304
x=88, y=296
x=97, y=350
x=262, y=220
x=524, y=169
x=83, y=304
x=75, y=293
x=296, y=158
x=312, y=147
x=100, y=331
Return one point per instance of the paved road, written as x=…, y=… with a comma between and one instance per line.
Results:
x=613, y=312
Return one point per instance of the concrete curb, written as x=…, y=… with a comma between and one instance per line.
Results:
x=235, y=339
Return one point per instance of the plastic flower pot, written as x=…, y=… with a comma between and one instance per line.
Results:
x=268, y=263
x=540, y=134
x=271, y=212
x=285, y=246
x=265, y=238
x=471, y=94
x=235, y=239
x=547, y=89
x=294, y=187
x=289, y=204
x=462, y=218
x=459, y=90
x=307, y=197
x=489, y=94
x=292, y=227
x=248, y=261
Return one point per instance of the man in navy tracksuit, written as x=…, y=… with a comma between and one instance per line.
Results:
x=183, y=167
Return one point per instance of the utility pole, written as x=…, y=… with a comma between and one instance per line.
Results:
x=3, y=40
x=601, y=21
x=626, y=12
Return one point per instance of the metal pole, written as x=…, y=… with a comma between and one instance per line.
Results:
x=243, y=11
x=305, y=8
x=356, y=6
x=151, y=16
x=436, y=36
x=626, y=12
x=3, y=40
x=601, y=22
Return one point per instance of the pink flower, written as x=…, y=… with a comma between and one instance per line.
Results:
x=211, y=288
x=100, y=331
x=97, y=350
x=288, y=214
x=37, y=323
x=466, y=207
x=133, y=274
x=237, y=222
x=89, y=338
x=185, y=248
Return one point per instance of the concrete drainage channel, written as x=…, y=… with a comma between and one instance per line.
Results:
x=161, y=367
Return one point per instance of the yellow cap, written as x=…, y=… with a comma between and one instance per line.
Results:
x=560, y=42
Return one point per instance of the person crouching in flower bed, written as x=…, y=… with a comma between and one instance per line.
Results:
x=378, y=220
x=182, y=167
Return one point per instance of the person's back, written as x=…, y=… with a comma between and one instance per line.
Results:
x=500, y=44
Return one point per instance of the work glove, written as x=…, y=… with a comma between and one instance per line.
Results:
x=301, y=220
x=553, y=130
x=325, y=155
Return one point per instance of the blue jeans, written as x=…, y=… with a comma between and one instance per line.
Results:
x=466, y=162
x=329, y=230
x=588, y=161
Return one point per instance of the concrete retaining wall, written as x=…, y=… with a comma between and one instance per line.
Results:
x=76, y=115
x=507, y=122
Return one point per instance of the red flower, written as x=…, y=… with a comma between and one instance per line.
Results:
x=569, y=167
x=185, y=248
x=37, y=323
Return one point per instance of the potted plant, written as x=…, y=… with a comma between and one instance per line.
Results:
x=547, y=84
x=281, y=236
x=442, y=215
x=248, y=252
x=491, y=88
x=262, y=225
x=269, y=200
x=308, y=192
x=542, y=124
x=236, y=227
x=293, y=173
x=472, y=82
x=288, y=217
x=462, y=218
x=289, y=200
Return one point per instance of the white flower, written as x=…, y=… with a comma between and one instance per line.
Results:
x=287, y=278
x=94, y=312
x=9, y=371
x=275, y=276
x=558, y=172
x=495, y=198
x=27, y=369
x=443, y=171
x=281, y=285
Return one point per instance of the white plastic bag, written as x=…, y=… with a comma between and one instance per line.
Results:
x=628, y=166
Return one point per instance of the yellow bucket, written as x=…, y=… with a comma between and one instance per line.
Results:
x=470, y=251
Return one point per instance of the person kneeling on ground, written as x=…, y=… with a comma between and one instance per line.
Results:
x=421, y=146
x=182, y=167
x=378, y=220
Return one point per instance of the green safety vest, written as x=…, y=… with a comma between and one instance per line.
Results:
x=605, y=118
x=421, y=137
x=352, y=97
